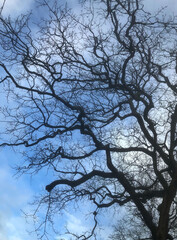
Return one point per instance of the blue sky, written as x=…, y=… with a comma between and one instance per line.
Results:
x=16, y=193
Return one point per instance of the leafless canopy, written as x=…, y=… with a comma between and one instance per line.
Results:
x=95, y=101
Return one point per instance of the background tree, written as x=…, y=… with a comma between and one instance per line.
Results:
x=96, y=103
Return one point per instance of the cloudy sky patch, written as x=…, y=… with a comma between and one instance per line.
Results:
x=155, y=5
x=15, y=196
x=17, y=193
x=16, y=7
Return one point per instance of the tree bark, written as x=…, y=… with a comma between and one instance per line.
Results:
x=164, y=209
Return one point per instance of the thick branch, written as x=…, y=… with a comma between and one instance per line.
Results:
x=81, y=180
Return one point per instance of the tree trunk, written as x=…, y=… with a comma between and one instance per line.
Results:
x=164, y=209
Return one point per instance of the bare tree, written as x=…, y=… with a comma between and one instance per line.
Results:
x=96, y=103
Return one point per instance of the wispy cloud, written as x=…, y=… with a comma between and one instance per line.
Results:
x=171, y=6
x=16, y=7
x=75, y=224
x=15, y=195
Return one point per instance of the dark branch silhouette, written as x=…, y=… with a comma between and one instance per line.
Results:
x=94, y=102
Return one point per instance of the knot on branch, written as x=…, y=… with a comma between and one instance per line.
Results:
x=48, y=188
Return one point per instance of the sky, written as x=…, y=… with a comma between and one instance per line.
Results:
x=16, y=193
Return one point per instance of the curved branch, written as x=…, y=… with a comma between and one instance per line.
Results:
x=81, y=180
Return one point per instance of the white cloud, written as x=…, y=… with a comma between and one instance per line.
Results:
x=171, y=5
x=16, y=7
x=15, y=195
x=74, y=224
x=79, y=223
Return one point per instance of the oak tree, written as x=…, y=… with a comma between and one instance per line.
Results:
x=95, y=95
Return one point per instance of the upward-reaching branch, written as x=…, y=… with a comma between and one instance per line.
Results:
x=96, y=104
